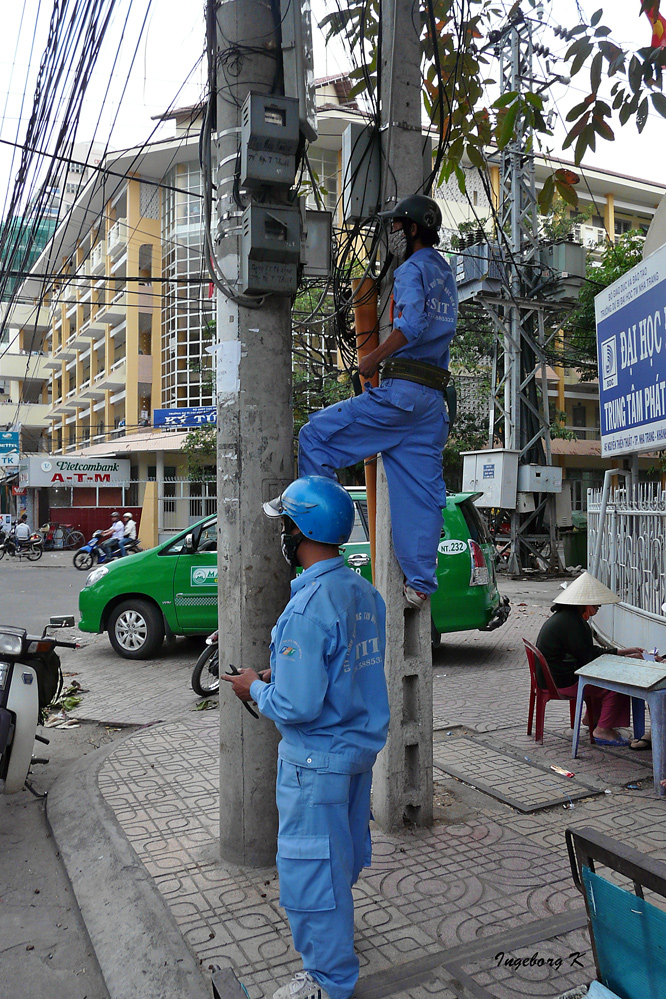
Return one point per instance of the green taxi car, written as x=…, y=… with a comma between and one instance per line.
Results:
x=467, y=597
x=172, y=589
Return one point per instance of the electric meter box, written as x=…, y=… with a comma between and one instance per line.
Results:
x=494, y=474
x=270, y=249
x=540, y=479
x=269, y=140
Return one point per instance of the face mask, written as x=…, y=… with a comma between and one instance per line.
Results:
x=289, y=544
x=397, y=244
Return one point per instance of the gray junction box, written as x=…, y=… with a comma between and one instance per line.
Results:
x=269, y=140
x=361, y=157
x=270, y=249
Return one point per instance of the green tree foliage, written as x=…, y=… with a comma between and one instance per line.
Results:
x=200, y=449
x=458, y=42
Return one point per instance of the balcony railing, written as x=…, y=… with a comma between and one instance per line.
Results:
x=116, y=240
x=97, y=258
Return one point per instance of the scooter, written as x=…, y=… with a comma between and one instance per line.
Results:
x=93, y=552
x=206, y=672
x=32, y=548
x=30, y=678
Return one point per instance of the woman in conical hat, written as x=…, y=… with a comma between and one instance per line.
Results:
x=567, y=644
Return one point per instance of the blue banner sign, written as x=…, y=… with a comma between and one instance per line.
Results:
x=187, y=416
x=9, y=441
x=631, y=349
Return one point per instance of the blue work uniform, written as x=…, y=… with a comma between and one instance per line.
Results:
x=403, y=420
x=327, y=695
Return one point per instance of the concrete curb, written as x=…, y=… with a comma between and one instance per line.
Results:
x=140, y=950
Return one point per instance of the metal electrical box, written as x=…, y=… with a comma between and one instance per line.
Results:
x=317, y=243
x=564, y=263
x=270, y=249
x=361, y=159
x=494, y=473
x=298, y=61
x=269, y=140
x=540, y=479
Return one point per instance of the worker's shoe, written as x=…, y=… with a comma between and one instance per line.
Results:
x=302, y=986
x=413, y=598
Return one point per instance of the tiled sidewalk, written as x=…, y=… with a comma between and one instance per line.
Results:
x=442, y=912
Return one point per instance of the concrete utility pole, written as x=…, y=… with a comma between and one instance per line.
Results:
x=255, y=451
x=402, y=785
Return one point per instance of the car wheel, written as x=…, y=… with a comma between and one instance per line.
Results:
x=435, y=637
x=83, y=560
x=136, y=629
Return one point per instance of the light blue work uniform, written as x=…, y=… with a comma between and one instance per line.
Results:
x=403, y=420
x=328, y=698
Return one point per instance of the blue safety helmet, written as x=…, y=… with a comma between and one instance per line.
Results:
x=321, y=509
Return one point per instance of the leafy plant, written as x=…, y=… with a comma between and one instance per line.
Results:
x=457, y=42
x=558, y=427
x=200, y=448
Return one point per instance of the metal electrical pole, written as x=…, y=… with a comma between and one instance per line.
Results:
x=402, y=783
x=255, y=449
x=521, y=411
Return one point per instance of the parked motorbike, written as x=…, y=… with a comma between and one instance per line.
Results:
x=206, y=673
x=32, y=548
x=93, y=552
x=30, y=678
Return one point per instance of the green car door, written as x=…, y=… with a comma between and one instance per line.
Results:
x=195, y=581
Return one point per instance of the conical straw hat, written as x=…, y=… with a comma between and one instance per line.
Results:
x=587, y=590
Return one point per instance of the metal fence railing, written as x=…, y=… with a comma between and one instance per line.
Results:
x=184, y=501
x=633, y=562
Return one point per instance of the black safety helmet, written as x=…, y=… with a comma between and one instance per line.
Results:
x=417, y=208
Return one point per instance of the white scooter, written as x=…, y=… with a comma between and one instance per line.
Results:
x=30, y=678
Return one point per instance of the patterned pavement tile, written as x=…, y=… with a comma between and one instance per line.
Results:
x=446, y=899
x=522, y=785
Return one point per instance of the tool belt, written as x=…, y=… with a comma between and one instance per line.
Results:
x=416, y=371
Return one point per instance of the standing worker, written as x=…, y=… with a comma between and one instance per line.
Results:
x=327, y=695
x=405, y=418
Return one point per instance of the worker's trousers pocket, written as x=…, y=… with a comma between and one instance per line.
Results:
x=304, y=867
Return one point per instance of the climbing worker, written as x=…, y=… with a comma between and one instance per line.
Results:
x=405, y=418
x=326, y=692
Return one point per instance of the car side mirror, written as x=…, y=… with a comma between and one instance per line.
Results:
x=189, y=543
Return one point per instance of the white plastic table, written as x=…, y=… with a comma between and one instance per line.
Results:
x=642, y=681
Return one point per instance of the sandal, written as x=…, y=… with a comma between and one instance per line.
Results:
x=643, y=743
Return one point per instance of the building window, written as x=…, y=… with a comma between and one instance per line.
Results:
x=324, y=165
x=187, y=311
x=622, y=226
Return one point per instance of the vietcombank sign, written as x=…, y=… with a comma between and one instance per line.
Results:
x=42, y=470
x=631, y=346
